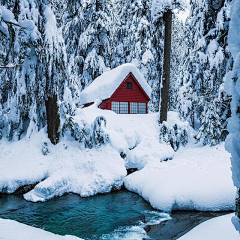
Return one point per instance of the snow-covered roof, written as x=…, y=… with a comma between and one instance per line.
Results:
x=105, y=85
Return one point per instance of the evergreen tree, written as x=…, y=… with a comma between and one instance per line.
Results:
x=88, y=34
x=36, y=43
x=207, y=60
x=137, y=40
x=232, y=86
x=177, y=60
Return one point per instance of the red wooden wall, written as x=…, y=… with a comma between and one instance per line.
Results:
x=122, y=94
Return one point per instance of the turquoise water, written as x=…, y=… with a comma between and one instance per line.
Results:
x=118, y=215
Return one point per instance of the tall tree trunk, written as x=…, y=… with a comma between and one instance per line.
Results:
x=53, y=119
x=166, y=66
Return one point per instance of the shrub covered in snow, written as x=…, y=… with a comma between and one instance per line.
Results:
x=78, y=132
x=174, y=132
x=82, y=132
x=99, y=137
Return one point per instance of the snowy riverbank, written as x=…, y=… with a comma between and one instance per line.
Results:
x=198, y=178
x=186, y=182
x=69, y=167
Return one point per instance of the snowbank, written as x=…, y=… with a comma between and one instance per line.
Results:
x=105, y=85
x=220, y=228
x=70, y=167
x=198, y=178
x=66, y=168
x=13, y=230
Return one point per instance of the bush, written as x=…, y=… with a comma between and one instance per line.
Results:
x=173, y=135
x=98, y=135
x=85, y=134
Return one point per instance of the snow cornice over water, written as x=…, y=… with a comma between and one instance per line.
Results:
x=105, y=85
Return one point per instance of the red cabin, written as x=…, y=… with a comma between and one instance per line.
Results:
x=122, y=90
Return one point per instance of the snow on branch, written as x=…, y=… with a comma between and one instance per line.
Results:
x=7, y=18
x=160, y=6
x=13, y=23
x=11, y=65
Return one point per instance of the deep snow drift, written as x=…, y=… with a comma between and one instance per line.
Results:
x=220, y=228
x=198, y=178
x=13, y=230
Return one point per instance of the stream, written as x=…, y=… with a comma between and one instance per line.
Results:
x=119, y=215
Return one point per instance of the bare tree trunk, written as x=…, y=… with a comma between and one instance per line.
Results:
x=53, y=119
x=166, y=66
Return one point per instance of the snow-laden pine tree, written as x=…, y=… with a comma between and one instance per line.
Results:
x=33, y=44
x=232, y=86
x=206, y=61
x=177, y=59
x=137, y=40
x=88, y=33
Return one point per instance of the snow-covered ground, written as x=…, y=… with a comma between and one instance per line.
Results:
x=68, y=167
x=220, y=228
x=13, y=230
x=198, y=178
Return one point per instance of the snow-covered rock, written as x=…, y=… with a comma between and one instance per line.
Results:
x=220, y=228
x=13, y=230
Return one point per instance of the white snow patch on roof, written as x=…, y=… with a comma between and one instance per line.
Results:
x=105, y=85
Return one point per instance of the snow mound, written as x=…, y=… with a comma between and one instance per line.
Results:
x=134, y=136
x=85, y=172
x=13, y=230
x=105, y=85
x=66, y=168
x=220, y=228
x=198, y=178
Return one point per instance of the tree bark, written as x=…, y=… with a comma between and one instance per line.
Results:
x=53, y=119
x=166, y=66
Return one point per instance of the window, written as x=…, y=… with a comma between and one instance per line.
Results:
x=129, y=85
x=123, y=107
x=133, y=107
x=142, y=108
x=115, y=107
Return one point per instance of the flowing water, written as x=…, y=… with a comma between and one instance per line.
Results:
x=119, y=215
